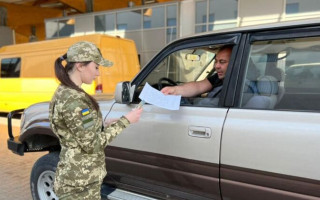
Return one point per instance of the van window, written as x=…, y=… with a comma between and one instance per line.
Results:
x=10, y=67
x=283, y=74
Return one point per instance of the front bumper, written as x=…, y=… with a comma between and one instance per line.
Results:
x=13, y=142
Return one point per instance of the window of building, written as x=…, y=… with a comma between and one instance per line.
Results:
x=215, y=14
x=201, y=16
x=283, y=74
x=52, y=29
x=223, y=10
x=10, y=67
x=153, y=17
x=171, y=23
x=172, y=15
x=66, y=27
x=302, y=6
x=100, y=23
x=104, y=22
x=292, y=8
x=129, y=20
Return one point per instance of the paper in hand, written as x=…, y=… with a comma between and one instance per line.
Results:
x=157, y=98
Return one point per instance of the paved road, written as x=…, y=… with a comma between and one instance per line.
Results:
x=14, y=169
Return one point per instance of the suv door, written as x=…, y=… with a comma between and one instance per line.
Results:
x=271, y=142
x=173, y=154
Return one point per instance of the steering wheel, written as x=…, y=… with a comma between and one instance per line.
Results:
x=161, y=80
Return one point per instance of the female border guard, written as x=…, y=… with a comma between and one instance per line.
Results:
x=77, y=121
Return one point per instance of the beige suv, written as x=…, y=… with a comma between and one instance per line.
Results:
x=262, y=140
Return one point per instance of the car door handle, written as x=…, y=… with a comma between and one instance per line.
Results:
x=199, y=131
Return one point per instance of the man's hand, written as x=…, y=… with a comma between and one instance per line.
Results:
x=169, y=90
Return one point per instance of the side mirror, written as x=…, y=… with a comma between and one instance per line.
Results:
x=124, y=92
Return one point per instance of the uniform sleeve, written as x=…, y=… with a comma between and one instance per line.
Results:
x=111, y=131
x=84, y=125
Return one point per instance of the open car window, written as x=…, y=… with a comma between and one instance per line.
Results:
x=192, y=64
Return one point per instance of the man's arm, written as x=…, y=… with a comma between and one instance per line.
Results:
x=190, y=89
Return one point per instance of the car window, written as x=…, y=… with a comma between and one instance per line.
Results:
x=192, y=64
x=183, y=66
x=283, y=74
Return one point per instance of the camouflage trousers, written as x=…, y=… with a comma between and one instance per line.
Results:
x=90, y=192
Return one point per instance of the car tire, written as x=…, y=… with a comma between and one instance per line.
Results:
x=42, y=177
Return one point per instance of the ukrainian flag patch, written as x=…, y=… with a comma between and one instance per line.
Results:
x=87, y=119
x=85, y=112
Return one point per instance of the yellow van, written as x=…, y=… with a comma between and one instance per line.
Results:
x=27, y=70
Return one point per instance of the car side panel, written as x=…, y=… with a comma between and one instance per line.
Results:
x=271, y=153
x=164, y=156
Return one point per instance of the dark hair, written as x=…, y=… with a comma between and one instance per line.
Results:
x=225, y=47
x=63, y=76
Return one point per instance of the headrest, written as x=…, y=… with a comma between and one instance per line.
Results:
x=267, y=85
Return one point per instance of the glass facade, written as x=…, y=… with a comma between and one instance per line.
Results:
x=153, y=17
x=155, y=25
x=104, y=22
x=302, y=6
x=66, y=27
x=60, y=28
x=171, y=23
x=215, y=14
x=129, y=20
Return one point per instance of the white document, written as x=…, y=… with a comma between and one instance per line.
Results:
x=155, y=97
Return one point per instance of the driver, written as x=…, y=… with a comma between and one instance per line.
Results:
x=212, y=84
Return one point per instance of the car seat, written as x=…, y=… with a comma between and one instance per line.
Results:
x=250, y=84
x=267, y=93
x=278, y=74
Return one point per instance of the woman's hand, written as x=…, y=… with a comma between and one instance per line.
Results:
x=107, y=122
x=134, y=115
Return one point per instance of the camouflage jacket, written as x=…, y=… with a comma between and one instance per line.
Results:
x=79, y=128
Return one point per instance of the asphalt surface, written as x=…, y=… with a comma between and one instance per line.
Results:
x=14, y=169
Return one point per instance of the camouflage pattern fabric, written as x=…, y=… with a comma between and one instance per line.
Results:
x=86, y=51
x=92, y=192
x=78, y=127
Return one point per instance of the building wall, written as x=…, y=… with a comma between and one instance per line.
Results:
x=6, y=36
x=253, y=12
x=187, y=16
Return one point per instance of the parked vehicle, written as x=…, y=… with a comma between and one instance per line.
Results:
x=27, y=70
x=261, y=142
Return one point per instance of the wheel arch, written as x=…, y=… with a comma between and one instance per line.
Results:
x=40, y=139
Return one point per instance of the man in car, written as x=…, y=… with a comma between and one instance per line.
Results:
x=212, y=84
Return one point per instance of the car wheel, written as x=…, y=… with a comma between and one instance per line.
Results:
x=42, y=177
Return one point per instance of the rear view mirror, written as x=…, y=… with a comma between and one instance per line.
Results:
x=192, y=57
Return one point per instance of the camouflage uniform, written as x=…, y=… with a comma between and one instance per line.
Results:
x=78, y=126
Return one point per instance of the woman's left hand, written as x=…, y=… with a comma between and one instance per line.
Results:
x=107, y=122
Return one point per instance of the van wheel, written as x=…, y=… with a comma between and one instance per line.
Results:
x=42, y=177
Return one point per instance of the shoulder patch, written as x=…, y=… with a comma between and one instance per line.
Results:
x=87, y=119
x=85, y=112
